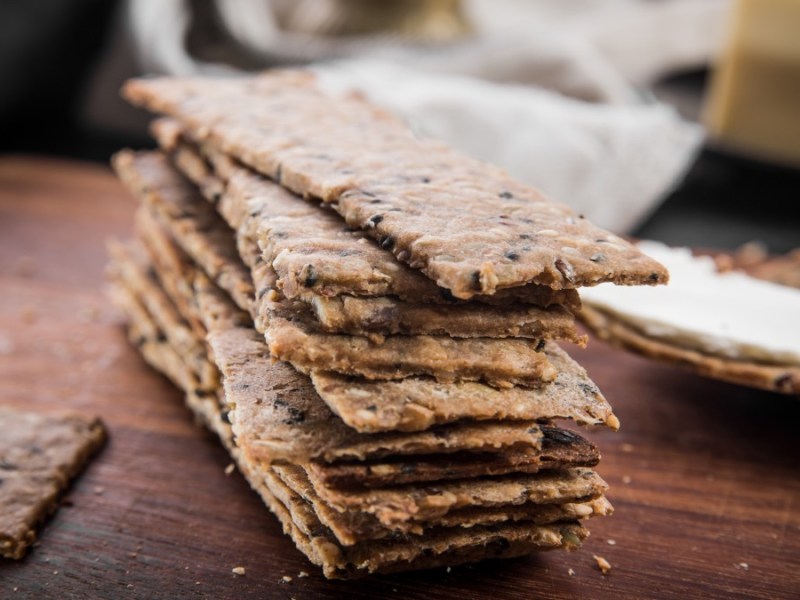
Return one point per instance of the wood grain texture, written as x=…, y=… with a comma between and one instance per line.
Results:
x=705, y=476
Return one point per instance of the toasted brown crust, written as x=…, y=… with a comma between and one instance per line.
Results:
x=193, y=223
x=459, y=537
x=293, y=336
x=560, y=449
x=39, y=455
x=352, y=527
x=466, y=224
x=396, y=505
x=776, y=378
x=299, y=238
x=418, y=403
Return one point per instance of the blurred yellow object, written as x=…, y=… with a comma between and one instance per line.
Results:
x=754, y=105
x=425, y=20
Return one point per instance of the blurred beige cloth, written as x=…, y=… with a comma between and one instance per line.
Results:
x=549, y=90
x=596, y=50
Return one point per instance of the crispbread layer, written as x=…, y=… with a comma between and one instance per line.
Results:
x=193, y=223
x=393, y=506
x=560, y=449
x=39, y=455
x=305, y=243
x=352, y=527
x=466, y=224
x=293, y=337
x=418, y=403
x=129, y=265
x=461, y=536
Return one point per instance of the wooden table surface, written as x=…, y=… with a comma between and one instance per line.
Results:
x=704, y=475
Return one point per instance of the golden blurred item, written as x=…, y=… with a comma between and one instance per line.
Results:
x=426, y=20
x=754, y=105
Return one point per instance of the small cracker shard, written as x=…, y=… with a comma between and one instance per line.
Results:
x=238, y=570
x=39, y=455
x=602, y=564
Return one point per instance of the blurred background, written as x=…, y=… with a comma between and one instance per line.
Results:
x=677, y=120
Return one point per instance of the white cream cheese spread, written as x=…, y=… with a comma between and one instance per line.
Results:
x=731, y=315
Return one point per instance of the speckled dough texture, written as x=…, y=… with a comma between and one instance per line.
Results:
x=465, y=535
x=394, y=506
x=560, y=449
x=776, y=378
x=417, y=403
x=244, y=199
x=39, y=455
x=278, y=415
x=438, y=548
x=466, y=224
x=351, y=527
x=191, y=221
x=500, y=362
x=306, y=244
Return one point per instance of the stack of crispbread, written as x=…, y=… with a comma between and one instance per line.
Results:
x=379, y=312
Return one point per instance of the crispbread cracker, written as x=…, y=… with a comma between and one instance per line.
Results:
x=291, y=331
x=173, y=268
x=278, y=415
x=293, y=337
x=352, y=527
x=394, y=506
x=209, y=410
x=129, y=265
x=466, y=224
x=304, y=239
x=560, y=449
x=39, y=455
x=197, y=228
x=466, y=538
x=776, y=378
x=243, y=202
x=417, y=403
x=321, y=548
x=440, y=547
x=386, y=316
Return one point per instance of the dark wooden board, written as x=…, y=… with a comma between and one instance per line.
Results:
x=704, y=475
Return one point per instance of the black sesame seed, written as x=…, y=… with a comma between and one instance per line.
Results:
x=561, y=436
x=511, y=255
x=476, y=280
x=506, y=195
x=540, y=346
x=387, y=243
x=295, y=416
x=310, y=277
x=654, y=277
x=374, y=220
x=565, y=269
x=525, y=236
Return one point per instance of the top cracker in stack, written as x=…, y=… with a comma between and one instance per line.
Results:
x=415, y=308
